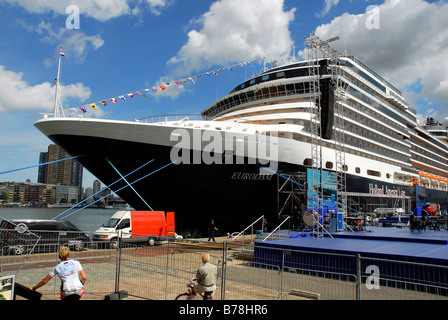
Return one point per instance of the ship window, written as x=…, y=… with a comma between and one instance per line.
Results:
x=308, y=162
x=358, y=170
x=374, y=173
x=252, y=82
x=280, y=74
x=243, y=86
x=265, y=78
x=329, y=165
x=345, y=167
x=388, y=176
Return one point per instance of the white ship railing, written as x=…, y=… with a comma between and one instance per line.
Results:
x=173, y=117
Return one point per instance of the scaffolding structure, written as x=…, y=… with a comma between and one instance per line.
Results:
x=315, y=124
x=291, y=195
x=317, y=47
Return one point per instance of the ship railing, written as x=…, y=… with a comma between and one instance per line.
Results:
x=362, y=64
x=74, y=113
x=174, y=117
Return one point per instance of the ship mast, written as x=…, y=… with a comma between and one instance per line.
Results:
x=57, y=99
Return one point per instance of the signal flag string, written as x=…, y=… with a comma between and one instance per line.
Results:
x=145, y=92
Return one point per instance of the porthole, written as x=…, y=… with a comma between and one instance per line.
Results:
x=308, y=162
x=374, y=173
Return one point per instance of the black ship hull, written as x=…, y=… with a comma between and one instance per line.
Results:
x=234, y=195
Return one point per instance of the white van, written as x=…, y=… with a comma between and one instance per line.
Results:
x=137, y=227
x=119, y=222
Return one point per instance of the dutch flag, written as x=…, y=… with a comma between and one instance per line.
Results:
x=62, y=53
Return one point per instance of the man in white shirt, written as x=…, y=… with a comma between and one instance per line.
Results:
x=71, y=274
x=206, y=277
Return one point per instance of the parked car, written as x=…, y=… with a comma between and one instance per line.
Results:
x=30, y=235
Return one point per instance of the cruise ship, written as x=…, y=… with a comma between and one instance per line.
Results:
x=231, y=163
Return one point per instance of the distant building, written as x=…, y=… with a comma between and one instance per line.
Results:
x=15, y=191
x=96, y=186
x=64, y=173
x=67, y=194
x=42, y=174
x=89, y=193
x=28, y=192
x=98, y=192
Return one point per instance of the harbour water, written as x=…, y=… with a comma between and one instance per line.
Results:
x=87, y=220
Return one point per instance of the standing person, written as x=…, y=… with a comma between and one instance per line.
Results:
x=265, y=225
x=206, y=277
x=295, y=217
x=71, y=274
x=211, y=230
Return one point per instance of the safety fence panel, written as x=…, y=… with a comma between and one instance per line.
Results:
x=15, y=240
x=301, y=274
x=402, y=280
x=245, y=272
x=321, y=275
x=162, y=272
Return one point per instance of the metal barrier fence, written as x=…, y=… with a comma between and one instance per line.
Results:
x=245, y=272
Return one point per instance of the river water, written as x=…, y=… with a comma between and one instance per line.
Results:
x=87, y=220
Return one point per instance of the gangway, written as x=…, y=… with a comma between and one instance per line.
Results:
x=278, y=229
x=252, y=229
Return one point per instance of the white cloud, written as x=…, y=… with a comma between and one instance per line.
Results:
x=101, y=10
x=328, y=5
x=98, y=9
x=17, y=94
x=171, y=90
x=156, y=6
x=410, y=46
x=234, y=30
x=75, y=42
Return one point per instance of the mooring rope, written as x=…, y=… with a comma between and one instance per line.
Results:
x=101, y=190
x=40, y=164
x=129, y=185
x=120, y=189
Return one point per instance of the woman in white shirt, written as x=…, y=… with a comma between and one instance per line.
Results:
x=71, y=274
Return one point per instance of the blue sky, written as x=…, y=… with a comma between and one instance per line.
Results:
x=123, y=46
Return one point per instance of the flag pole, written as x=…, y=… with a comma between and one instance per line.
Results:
x=56, y=81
